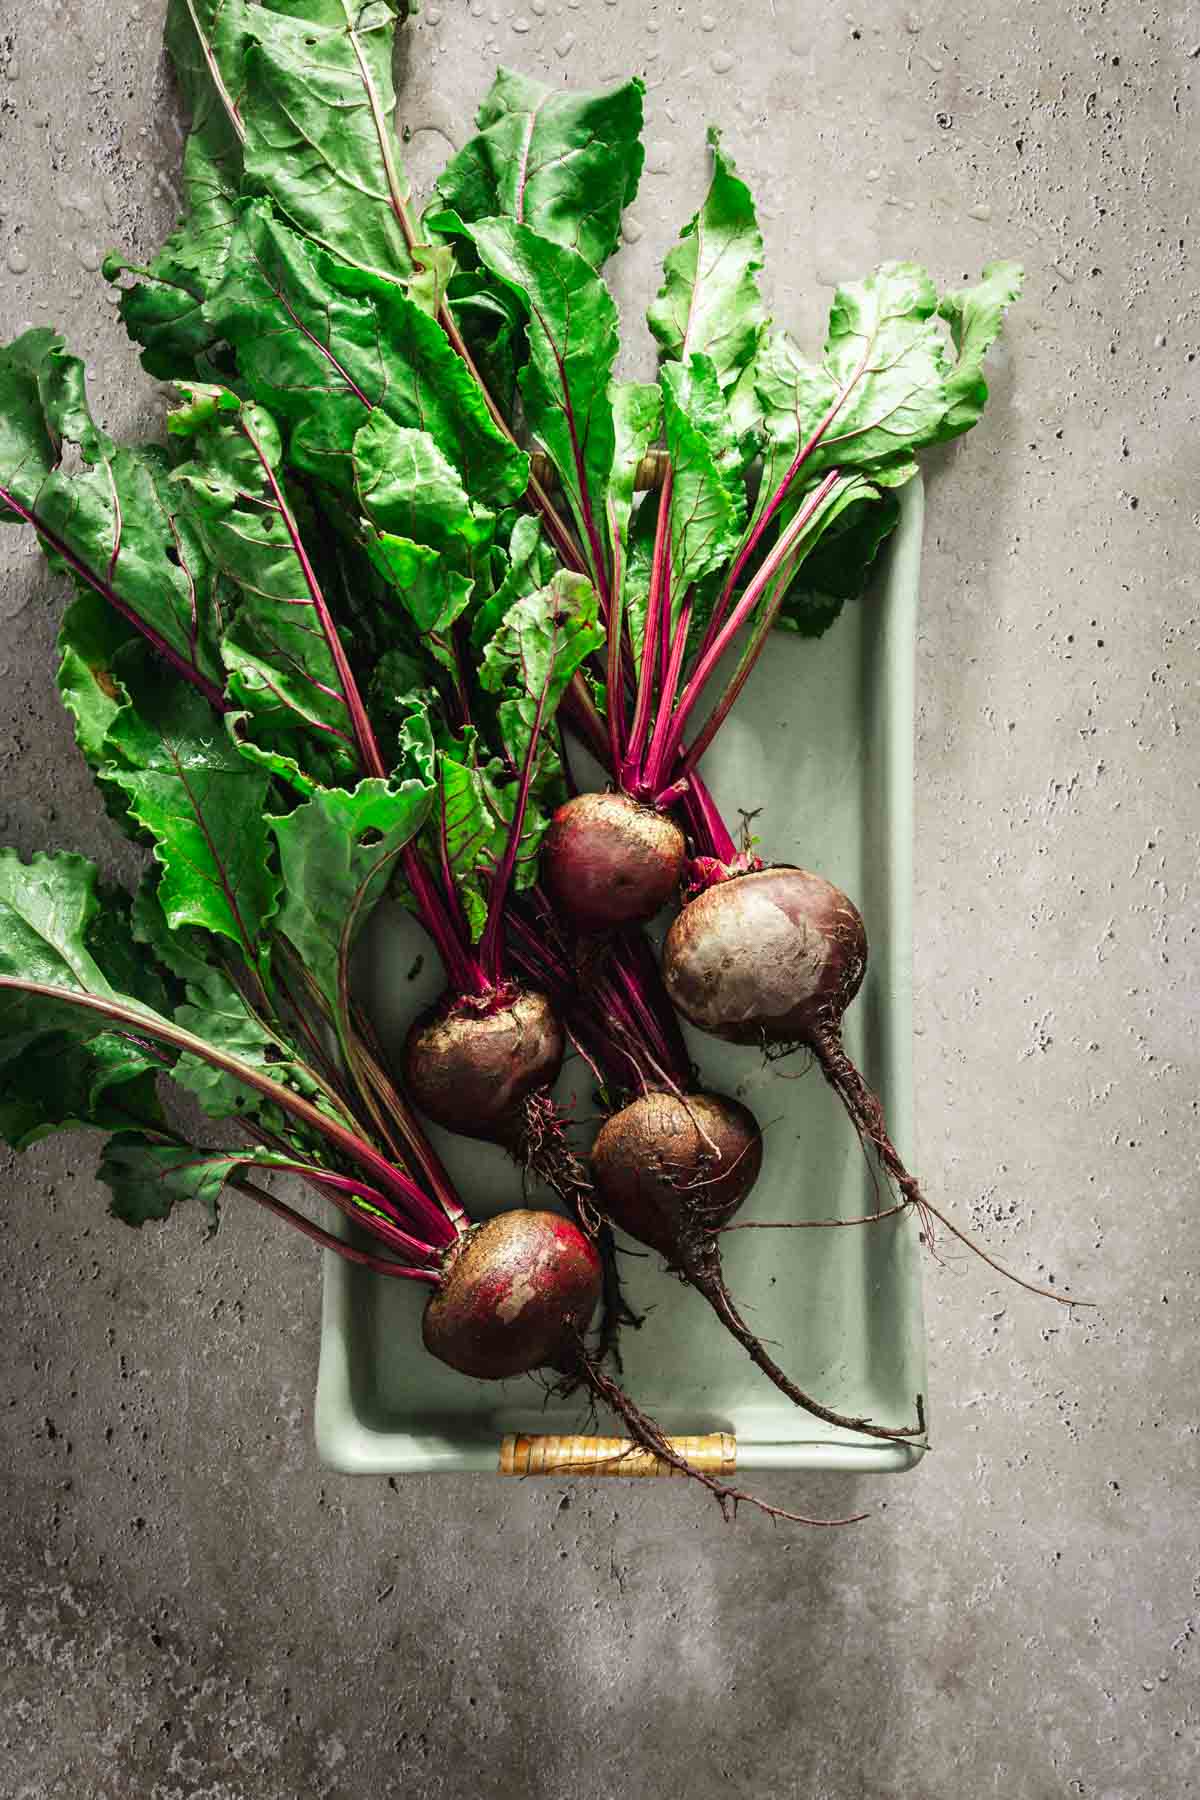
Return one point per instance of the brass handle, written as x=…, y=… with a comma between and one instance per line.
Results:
x=715, y=1454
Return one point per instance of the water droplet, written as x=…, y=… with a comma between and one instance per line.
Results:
x=651, y=53
x=912, y=23
x=13, y=72
x=707, y=22
x=610, y=2
x=537, y=6
x=873, y=174
x=935, y=62
x=477, y=9
x=101, y=56
x=722, y=62
x=565, y=44
x=88, y=255
x=981, y=211
x=653, y=26
x=433, y=15
x=18, y=262
x=1160, y=342
x=631, y=228
x=520, y=23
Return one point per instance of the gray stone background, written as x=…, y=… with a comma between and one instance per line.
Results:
x=191, y=1608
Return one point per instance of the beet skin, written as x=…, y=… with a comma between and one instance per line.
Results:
x=671, y=1168
x=774, y=957
x=608, y=861
x=517, y=1296
x=472, y=1070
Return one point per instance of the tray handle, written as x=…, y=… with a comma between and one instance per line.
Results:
x=715, y=1453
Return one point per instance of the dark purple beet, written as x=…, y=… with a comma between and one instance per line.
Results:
x=774, y=957
x=608, y=861
x=517, y=1295
x=670, y=1166
x=473, y=1069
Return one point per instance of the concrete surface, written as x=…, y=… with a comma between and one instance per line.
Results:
x=192, y=1609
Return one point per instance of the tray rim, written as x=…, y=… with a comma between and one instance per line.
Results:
x=348, y=1444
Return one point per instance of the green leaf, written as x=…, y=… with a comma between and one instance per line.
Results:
x=164, y=311
x=975, y=316
x=564, y=164
x=317, y=107
x=709, y=301
x=282, y=650
x=572, y=333
x=60, y=1066
x=637, y=410
x=475, y=803
x=149, y=1174
x=408, y=488
x=322, y=344
x=840, y=566
x=115, y=526
x=707, y=510
x=432, y=593
x=214, y=1008
x=338, y=851
x=540, y=643
x=203, y=805
x=49, y=1081
x=886, y=384
x=531, y=564
x=92, y=641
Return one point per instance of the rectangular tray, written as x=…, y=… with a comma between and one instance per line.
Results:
x=820, y=748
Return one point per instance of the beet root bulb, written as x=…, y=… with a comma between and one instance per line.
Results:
x=670, y=1169
x=774, y=957
x=472, y=1070
x=517, y=1295
x=608, y=861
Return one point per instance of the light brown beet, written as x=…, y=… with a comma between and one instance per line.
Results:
x=517, y=1296
x=774, y=957
x=670, y=1168
x=472, y=1070
x=608, y=861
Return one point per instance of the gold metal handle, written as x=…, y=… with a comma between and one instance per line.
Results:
x=715, y=1454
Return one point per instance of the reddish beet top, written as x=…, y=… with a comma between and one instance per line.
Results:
x=516, y=1296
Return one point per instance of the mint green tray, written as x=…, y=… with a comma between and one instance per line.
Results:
x=820, y=745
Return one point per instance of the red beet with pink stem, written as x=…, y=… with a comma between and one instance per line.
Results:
x=672, y=1163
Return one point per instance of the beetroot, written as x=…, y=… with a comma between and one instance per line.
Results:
x=473, y=1064
x=672, y=1165
x=517, y=1294
x=608, y=861
x=670, y=1169
x=775, y=958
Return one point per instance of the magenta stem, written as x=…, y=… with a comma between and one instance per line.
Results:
x=655, y=760
x=707, y=662
x=379, y=1265
x=463, y=971
x=364, y=736
x=658, y=597
x=212, y=693
x=491, y=945
x=709, y=833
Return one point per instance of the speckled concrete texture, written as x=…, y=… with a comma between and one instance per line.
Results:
x=192, y=1609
